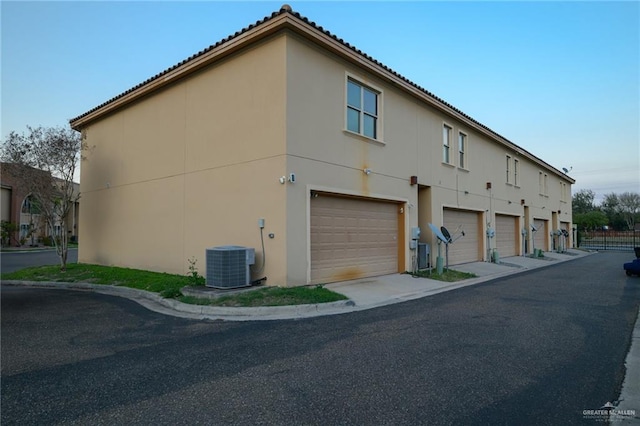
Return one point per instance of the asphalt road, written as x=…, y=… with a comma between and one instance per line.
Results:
x=535, y=348
x=12, y=261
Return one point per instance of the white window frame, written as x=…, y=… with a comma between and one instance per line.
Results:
x=446, y=143
x=364, y=84
x=546, y=184
x=508, y=167
x=516, y=171
x=462, y=150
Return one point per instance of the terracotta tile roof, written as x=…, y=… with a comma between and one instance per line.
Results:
x=286, y=9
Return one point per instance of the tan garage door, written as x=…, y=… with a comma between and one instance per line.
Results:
x=467, y=248
x=506, y=235
x=352, y=238
x=540, y=236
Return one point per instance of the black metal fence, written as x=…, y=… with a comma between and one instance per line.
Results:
x=609, y=240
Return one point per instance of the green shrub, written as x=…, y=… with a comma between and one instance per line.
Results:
x=195, y=279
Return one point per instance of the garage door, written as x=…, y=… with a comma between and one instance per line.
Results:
x=506, y=235
x=540, y=236
x=352, y=238
x=467, y=248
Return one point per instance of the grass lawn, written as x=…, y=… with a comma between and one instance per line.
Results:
x=169, y=285
x=448, y=275
x=271, y=296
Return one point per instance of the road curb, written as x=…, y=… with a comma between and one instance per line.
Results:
x=174, y=307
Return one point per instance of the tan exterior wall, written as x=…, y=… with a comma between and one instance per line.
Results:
x=196, y=164
x=191, y=166
x=332, y=158
x=327, y=158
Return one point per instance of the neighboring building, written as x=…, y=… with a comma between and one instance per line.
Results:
x=340, y=156
x=18, y=207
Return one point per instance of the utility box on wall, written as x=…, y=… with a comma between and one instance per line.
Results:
x=423, y=255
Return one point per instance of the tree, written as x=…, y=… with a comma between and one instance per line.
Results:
x=583, y=201
x=594, y=219
x=629, y=207
x=44, y=161
x=611, y=208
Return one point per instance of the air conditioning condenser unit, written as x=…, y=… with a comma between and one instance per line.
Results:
x=229, y=266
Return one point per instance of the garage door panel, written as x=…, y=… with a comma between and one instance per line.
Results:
x=506, y=235
x=465, y=249
x=352, y=238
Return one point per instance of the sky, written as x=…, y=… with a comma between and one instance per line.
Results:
x=559, y=79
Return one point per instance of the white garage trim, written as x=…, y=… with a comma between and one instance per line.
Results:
x=351, y=237
x=507, y=235
x=468, y=248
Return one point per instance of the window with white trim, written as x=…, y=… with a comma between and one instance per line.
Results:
x=516, y=171
x=446, y=143
x=546, y=186
x=362, y=109
x=508, y=168
x=462, y=149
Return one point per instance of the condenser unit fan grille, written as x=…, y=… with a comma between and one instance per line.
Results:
x=228, y=266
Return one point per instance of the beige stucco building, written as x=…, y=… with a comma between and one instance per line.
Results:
x=339, y=155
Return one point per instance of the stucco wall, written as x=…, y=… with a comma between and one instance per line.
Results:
x=324, y=154
x=191, y=166
x=325, y=157
x=196, y=164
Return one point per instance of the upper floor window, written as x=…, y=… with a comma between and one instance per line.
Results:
x=516, y=172
x=543, y=183
x=540, y=183
x=508, y=168
x=31, y=206
x=462, y=149
x=446, y=144
x=362, y=109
